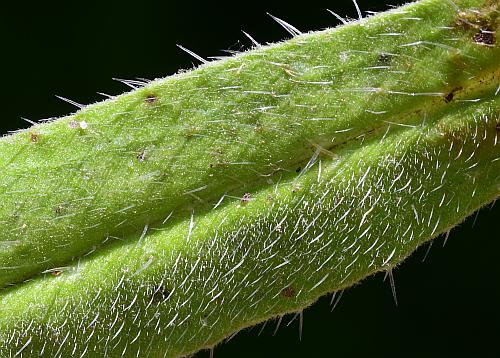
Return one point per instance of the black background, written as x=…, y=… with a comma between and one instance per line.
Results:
x=448, y=305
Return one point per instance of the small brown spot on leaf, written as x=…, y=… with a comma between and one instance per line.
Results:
x=288, y=292
x=485, y=37
x=450, y=96
x=482, y=22
x=141, y=156
x=56, y=273
x=34, y=138
x=245, y=198
x=59, y=209
x=150, y=98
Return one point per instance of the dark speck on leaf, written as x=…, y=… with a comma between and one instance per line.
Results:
x=34, y=138
x=288, y=292
x=141, y=156
x=246, y=198
x=151, y=98
x=485, y=37
x=161, y=294
x=384, y=58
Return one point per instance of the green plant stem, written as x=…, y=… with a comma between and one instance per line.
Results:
x=356, y=145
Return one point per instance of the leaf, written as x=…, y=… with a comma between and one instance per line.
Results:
x=335, y=155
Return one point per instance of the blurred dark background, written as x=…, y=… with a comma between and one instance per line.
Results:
x=448, y=305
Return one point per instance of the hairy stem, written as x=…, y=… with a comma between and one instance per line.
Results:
x=161, y=221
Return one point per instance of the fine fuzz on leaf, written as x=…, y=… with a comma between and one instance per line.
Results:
x=161, y=221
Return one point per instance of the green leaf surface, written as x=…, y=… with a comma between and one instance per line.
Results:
x=161, y=221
